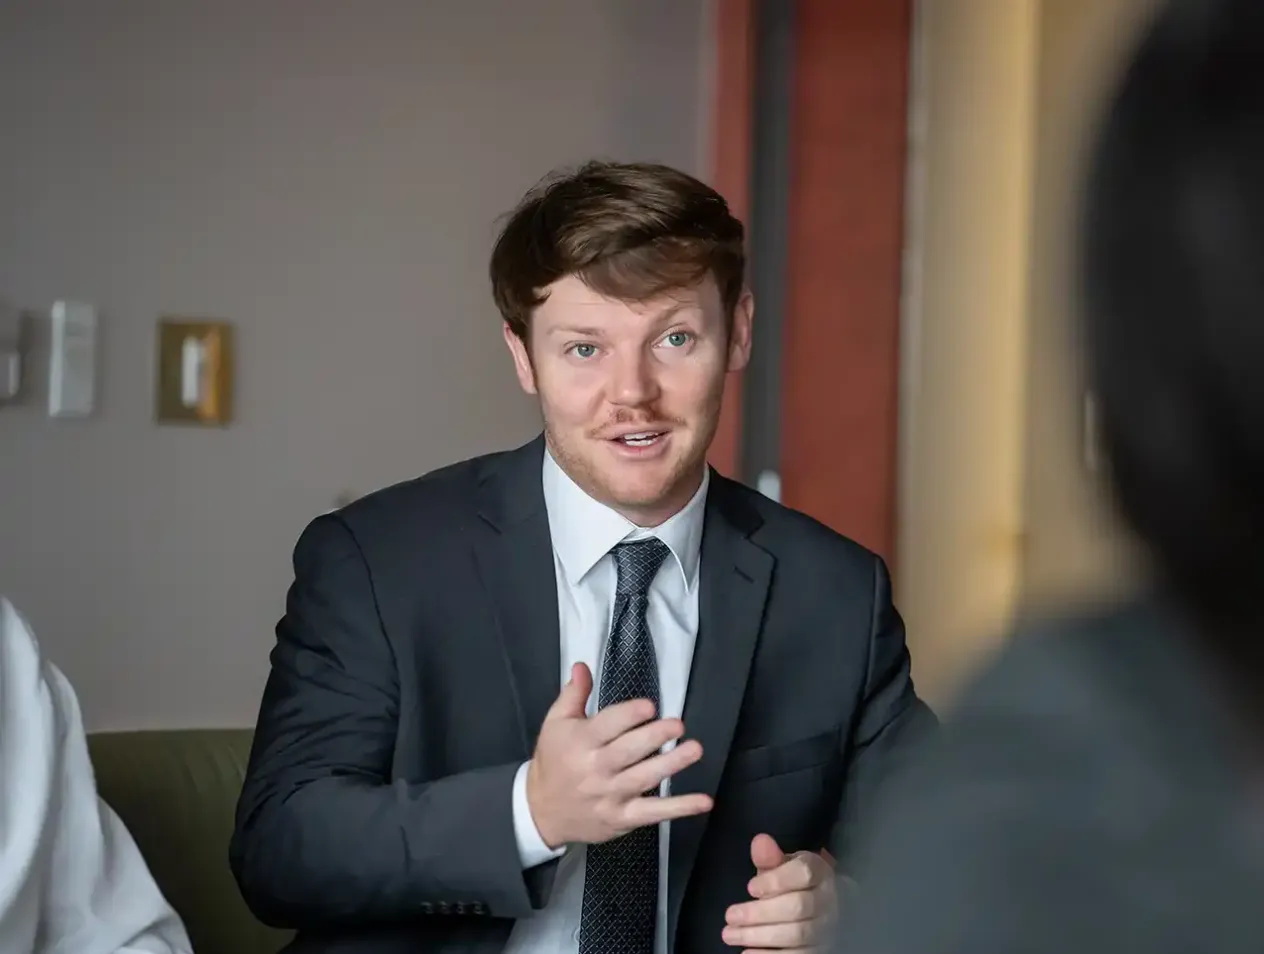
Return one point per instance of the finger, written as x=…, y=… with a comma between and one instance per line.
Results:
x=650, y=810
x=613, y=721
x=766, y=853
x=781, y=909
x=637, y=744
x=572, y=701
x=800, y=872
x=774, y=936
x=648, y=774
x=829, y=858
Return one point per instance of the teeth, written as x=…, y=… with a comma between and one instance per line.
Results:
x=640, y=439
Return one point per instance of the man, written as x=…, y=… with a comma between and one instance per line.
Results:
x=733, y=677
x=71, y=877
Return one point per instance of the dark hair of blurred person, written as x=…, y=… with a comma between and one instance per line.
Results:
x=1173, y=245
x=1098, y=786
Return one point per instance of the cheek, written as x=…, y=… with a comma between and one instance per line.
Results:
x=690, y=386
x=569, y=395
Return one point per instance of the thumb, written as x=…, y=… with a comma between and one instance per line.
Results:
x=766, y=853
x=572, y=701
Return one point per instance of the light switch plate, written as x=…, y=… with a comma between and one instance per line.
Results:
x=195, y=372
x=72, y=360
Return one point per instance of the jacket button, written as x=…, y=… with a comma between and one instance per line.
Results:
x=444, y=907
x=427, y=907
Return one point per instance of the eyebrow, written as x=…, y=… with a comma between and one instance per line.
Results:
x=665, y=317
x=574, y=331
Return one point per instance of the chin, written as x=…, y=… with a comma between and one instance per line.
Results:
x=644, y=485
x=639, y=498
x=643, y=492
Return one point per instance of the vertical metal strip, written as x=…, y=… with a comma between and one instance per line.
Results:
x=769, y=227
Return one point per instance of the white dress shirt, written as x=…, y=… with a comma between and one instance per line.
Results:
x=71, y=877
x=584, y=532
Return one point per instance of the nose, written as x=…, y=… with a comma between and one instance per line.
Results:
x=633, y=381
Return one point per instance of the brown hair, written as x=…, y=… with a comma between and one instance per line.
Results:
x=630, y=231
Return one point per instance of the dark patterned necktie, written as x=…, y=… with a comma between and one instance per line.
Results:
x=621, y=876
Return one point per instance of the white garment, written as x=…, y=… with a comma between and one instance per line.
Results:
x=584, y=532
x=71, y=878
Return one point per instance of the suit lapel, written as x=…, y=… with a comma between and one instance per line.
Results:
x=515, y=560
x=734, y=580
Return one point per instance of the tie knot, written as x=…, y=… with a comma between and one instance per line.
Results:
x=637, y=563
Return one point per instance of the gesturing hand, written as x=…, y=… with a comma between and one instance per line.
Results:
x=587, y=780
x=794, y=904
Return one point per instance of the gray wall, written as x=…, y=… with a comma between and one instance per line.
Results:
x=327, y=175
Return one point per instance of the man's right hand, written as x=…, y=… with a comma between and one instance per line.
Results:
x=587, y=780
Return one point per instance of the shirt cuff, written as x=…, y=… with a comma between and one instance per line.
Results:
x=532, y=849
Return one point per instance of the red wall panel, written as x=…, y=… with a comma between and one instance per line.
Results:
x=841, y=350
x=841, y=372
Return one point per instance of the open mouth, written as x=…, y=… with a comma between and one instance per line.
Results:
x=641, y=439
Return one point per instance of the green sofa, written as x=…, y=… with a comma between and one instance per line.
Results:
x=176, y=792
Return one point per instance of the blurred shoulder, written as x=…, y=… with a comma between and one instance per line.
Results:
x=17, y=638
x=1082, y=761
x=1124, y=659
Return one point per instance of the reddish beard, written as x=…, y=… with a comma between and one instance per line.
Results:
x=623, y=417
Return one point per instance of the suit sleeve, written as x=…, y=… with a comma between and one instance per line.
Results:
x=891, y=725
x=323, y=835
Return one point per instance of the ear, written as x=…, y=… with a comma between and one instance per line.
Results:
x=521, y=359
x=740, y=335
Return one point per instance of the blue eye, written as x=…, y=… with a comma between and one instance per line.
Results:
x=584, y=350
x=677, y=339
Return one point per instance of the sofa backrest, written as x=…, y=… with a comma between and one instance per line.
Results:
x=177, y=793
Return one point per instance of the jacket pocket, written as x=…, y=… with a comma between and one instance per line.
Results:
x=747, y=765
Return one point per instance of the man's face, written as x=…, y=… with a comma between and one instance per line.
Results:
x=630, y=391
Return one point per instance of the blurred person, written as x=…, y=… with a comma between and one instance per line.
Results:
x=1099, y=787
x=72, y=880
x=472, y=738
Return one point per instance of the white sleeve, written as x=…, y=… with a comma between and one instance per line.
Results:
x=531, y=847
x=95, y=894
x=28, y=733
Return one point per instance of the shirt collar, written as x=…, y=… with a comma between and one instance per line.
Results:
x=584, y=530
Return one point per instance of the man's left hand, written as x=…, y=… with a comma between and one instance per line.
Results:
x=794, y=901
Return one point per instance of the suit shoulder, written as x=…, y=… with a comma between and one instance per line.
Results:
x=789, y=531
x=435, y=497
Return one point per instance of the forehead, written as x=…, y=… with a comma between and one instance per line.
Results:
x=572, y=304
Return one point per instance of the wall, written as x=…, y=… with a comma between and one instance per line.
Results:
x=970, y=160
x=732, y=117
x=998, y=512
x=840, y=351
x=328, y=176
x=1074, y=546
